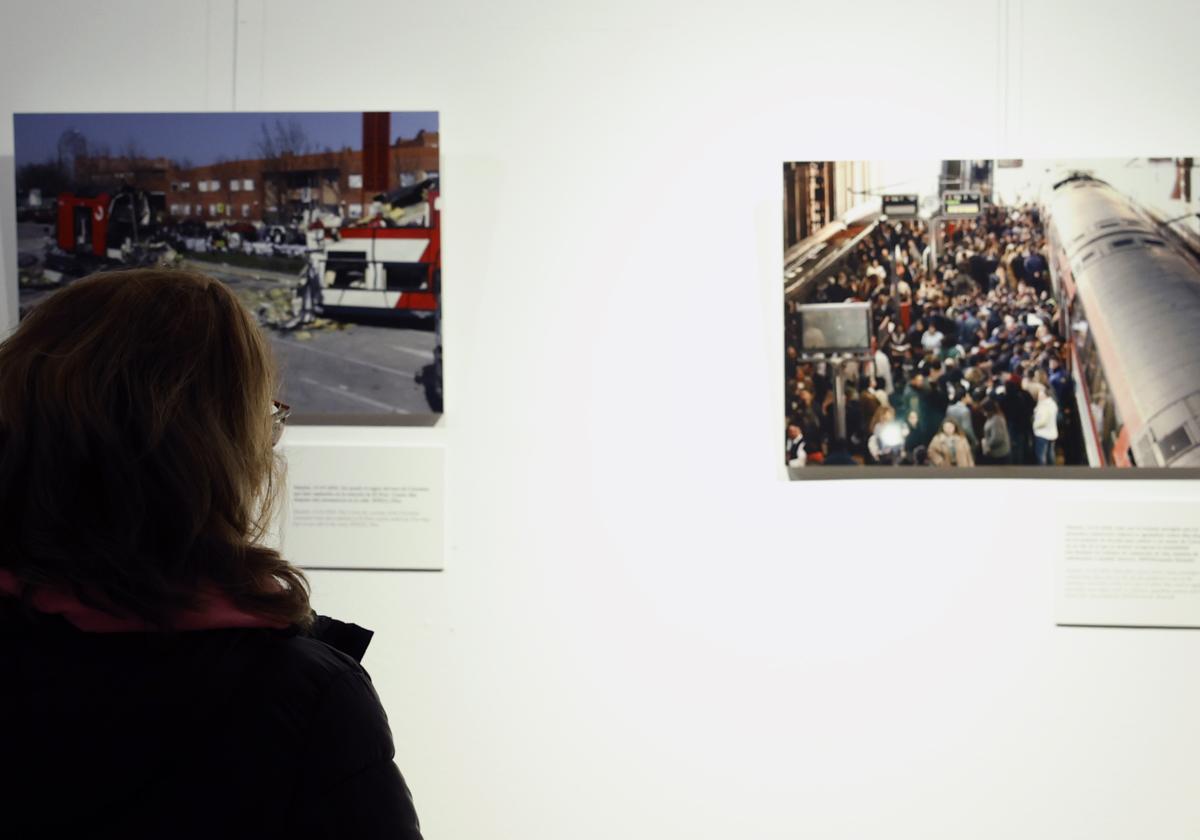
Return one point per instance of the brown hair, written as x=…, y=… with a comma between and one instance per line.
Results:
x=881, y=414
x=136, y=464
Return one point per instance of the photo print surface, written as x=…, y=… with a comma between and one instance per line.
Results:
x=1017, y=315
x=326, y=225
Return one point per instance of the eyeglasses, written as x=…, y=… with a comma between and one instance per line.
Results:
x=279, y=415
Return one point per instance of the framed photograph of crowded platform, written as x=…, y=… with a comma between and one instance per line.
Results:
x=990, y=318
x=326, y=225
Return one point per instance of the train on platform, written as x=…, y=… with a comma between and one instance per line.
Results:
x=388, y=264
x=1129, y=292
x=119, y=230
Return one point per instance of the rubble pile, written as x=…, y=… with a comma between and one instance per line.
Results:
x=279, y=307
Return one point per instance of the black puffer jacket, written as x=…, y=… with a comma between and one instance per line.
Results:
x=215, y=734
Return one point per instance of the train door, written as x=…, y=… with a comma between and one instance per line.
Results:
x=81, y=226
x=1106, y=440
x=1122, y=453
x=125, y=219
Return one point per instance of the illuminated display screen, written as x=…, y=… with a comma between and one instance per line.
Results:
x=835, y=328
x=897, y=206
x=962, y=204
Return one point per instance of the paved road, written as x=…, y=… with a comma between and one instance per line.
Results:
x=346, y=368
x=360, y=370
x=31, y=238
x=349, y=368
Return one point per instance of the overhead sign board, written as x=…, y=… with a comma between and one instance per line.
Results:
x=900, y=206
x=962, y=204
x=835, y=329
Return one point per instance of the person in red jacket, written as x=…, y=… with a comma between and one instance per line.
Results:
x=163, y=672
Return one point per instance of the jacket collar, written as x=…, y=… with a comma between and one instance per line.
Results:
x=215, y=611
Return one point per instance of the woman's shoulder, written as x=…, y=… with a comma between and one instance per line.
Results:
x=311, y=655
x=304, y=663
x=328, y=650
x=301, y=665
x=296, y=673
x=106, y=714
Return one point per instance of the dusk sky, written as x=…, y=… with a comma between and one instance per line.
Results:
x=202, y=138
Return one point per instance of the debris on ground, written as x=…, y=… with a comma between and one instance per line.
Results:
x=39, y=278
x=278, y=308
x=270, y=305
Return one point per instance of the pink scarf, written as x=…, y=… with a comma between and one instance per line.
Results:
x=215, y=613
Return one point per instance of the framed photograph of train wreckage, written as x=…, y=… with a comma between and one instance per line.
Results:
x=326, y=225
x=1017, y=318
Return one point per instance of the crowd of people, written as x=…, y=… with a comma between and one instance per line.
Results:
x=969, y=364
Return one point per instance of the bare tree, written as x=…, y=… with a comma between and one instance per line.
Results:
x=275, y=144
x=49, y=177
x=282, y=140
x=71, y=145
x=131, y=149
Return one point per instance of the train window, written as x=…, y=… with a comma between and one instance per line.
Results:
x=406, y=277
x=1145, y=454
x=347, y=256
x=349, y=269
x=1079, y=325
x=1087, y=257
x=1097, y=384
x=1110, y=428
x=1122, y=243
x=1112, y=223
x=1150, y=241
x=1079, y=237
x=1175, y=442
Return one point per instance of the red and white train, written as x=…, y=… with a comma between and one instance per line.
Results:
x=390, y=264
x=1130, y=292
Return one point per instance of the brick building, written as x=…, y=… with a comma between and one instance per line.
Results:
x=819, y=192
x=271, y=190
x=106, y=172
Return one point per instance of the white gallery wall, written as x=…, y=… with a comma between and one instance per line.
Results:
x=643, y=630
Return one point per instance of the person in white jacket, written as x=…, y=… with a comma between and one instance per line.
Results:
x=796, y=456
x=1045, y=427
